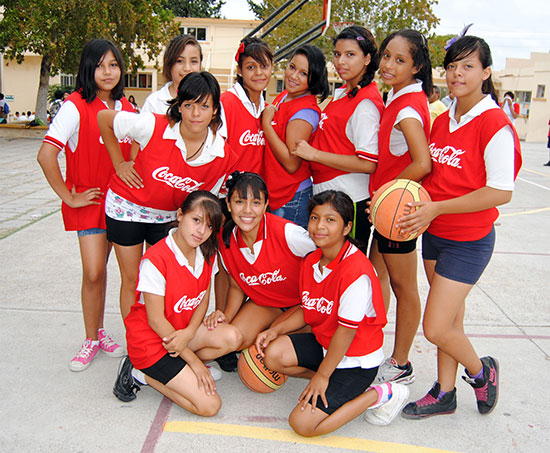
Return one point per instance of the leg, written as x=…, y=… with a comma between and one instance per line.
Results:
x=94, y=251
x=403, y=280
x=128, y=258
x=252, y=319
x=378, y=262
x=183, y=390
x=211, y=344
x=281, y=356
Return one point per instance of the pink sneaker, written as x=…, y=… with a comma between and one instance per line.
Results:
x=82, y=360
x=108, y=345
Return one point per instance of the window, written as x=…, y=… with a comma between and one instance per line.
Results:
x=523, y=98
x=142, y=80
x=68, y=80
x=198, y=32
x=540, y=91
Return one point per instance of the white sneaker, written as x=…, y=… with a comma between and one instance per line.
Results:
x=216, y=374
x=389, y=371
x=384, y=415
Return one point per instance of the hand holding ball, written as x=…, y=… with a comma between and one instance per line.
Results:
x=255, y=375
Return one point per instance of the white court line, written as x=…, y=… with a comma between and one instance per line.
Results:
x=534, y=183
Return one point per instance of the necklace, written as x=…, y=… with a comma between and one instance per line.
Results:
x=200, y=147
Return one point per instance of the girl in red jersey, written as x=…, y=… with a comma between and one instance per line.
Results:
x=293, y=116
x=99, y=86
x=166, y=339
x=342, y=302
x=343, y=161
x=180, y=153
x=476, y=157
x=403, y=153
x=261, y=253
x=244, y=102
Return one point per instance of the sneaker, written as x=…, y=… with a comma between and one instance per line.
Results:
x=486, y=389
x=125, y=386
x=84, y=357
x=391, y=371
x=108, y=345
x=216, y=374
x=385, y=414
x=431, y=404
x=547, y=164
x=228, y=362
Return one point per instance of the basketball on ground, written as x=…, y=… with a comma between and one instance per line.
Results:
x=389, y=203
x=255, y=375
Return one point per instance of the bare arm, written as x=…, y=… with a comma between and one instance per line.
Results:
x=417, y=143
x=289, y=321
x=352, y=164
x=235, y=298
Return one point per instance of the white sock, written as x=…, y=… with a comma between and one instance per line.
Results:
x=138, y=376
x=384, y=394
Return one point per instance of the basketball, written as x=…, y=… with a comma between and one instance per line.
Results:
x=255, y=375
x=389, y=203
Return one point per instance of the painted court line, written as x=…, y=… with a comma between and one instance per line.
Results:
x=534, y=183
x=156, y=428
x=287, y=435
x=532, y=211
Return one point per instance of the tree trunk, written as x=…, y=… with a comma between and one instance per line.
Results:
x=42, y=96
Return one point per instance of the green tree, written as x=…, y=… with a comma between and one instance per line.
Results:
x=58, y=30
x=436, y=46
x=195, y=8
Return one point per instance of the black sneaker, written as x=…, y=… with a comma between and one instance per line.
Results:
x=125, y=386
x=547, y=164
x=486, y=389
x=228, y=362
x=431, y=404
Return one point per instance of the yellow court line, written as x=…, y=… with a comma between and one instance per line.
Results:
x=535, y=172
x=287, y=435
x=533, y=211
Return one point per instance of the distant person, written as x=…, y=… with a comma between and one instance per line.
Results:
x=17, y=117
x=66, y=94
x=22, y=118
x=4, y=109
x=547, y=164
x=447, y=100
x=56, y=104
x=436, y=106
x=30, y=116
x=510, y=107
x=132, y=100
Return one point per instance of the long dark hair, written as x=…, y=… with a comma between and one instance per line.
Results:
x=208, y=202
x=317, y=77
x=466, y=46
x=366, y=42
x=174, y=49
x=342, y=204
x=196, y=87
x=242, y=182
x=91, y=56
x=256, y=48
x=418, y=46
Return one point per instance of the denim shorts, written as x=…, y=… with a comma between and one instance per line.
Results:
x=461, y=261
x=90, y=231
x=296, y=209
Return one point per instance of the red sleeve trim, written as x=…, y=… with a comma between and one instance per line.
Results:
x=347, y=323
x=366, y=156
x=54, y=142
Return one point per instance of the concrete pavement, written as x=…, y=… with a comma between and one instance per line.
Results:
x=45, y=407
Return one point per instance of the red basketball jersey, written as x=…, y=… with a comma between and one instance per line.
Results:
x=390, y=166
x=321, y=300
x=283, y=185
x=459, y=168
x=244, y=133
x=89, y=165
x=331, y=135
x=184, y=292
x=167, y=178
x=272, y=280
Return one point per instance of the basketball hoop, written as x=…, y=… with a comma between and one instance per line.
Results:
x=339, y=26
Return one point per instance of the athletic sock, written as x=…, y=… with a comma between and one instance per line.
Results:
x=476, y=376
x=441, y=394
x=384, y=394
x=138, y=376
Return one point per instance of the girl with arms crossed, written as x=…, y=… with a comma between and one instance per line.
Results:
x=476, y=158
x=99, y=86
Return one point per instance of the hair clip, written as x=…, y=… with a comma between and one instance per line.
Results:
x=360, y=38
x=240, y=50
x=455, y=38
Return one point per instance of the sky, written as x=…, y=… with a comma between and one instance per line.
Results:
x=512, y=28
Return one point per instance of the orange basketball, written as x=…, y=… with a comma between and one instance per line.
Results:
x=255, y=375
x=389, y=203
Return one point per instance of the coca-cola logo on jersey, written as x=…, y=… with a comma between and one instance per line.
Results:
x=263, y=279
x=124, y=140
x=248, y=138
x=324, y=116
x=188, y=304
x=448, y=155
x=320, y=304
x=185, y=184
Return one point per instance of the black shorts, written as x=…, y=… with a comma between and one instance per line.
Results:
x=134, y=233
x=345, y=384
x=386, y=245
x=165, y=369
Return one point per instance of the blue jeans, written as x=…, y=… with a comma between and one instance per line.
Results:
x=296, y=209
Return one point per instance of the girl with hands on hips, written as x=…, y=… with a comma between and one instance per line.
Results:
x=341, y=300
x=167, y=342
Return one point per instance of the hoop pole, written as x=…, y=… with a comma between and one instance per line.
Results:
x=282, y=19
x=327, y=19
x=299, y=38
x=288, y=52
x=269, y=18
